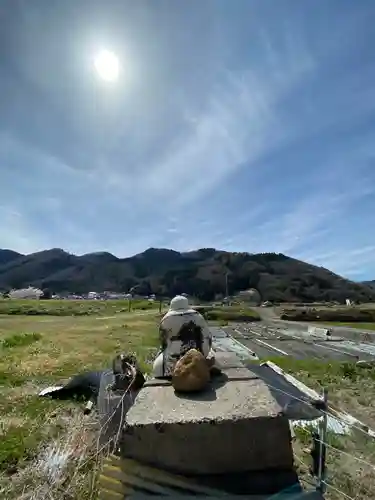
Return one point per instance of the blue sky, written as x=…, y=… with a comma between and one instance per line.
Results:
x=245, y=126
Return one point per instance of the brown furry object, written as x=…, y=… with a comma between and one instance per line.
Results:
x=191, y=373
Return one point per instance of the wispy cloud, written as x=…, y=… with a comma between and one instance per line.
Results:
x=250, y=132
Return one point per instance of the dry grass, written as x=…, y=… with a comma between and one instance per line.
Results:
x=44, y=443
x=49, y=449
x=349, y=458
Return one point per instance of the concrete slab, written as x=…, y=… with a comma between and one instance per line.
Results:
x=225, y=360
x=234, y=426
x=317, y=331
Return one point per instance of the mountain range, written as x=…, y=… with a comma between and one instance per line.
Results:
x=201, y=273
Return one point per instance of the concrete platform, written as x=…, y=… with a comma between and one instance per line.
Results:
x=234, y=426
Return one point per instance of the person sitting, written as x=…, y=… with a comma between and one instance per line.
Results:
x=181, y=329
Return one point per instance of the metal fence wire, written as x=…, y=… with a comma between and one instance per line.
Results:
x=112, y=408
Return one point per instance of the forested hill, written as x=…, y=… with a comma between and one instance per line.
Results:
x=166, y=272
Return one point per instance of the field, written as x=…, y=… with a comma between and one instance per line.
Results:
x=226, y=314
x=73, y=307
x=359, y=326
x=341, y=314
x=49, y=448
x=349, y=458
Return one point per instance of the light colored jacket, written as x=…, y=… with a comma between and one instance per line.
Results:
x=181, y=329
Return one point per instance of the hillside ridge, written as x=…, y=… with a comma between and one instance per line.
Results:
x=166, y=272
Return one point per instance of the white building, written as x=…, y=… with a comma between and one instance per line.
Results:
x=250, y=296
x=26, y=293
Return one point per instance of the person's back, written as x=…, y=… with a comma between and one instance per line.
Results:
x=181, y=329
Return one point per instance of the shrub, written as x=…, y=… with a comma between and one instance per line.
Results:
x=343, y=314
x=20, y=339
x=227, y=314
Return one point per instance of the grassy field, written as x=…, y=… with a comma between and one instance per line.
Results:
x=72, y=307
x=360, y=326
x=226, y=314
x=351, y=389
x=339, y=314
x=36, y=350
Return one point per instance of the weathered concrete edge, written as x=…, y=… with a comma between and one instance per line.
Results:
x=297, y=383
x=252, y=354
x=345, y=417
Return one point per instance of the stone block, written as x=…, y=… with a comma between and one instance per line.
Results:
x=234, y=426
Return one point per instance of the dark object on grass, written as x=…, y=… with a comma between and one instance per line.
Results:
x=81, y=387
x=126, y=371
x=85, y=386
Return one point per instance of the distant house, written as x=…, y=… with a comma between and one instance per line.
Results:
x=26, y=293
x=251, y=297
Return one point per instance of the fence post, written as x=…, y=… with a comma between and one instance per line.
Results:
x=322, y=445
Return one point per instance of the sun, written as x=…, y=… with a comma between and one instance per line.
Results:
x=107, y=65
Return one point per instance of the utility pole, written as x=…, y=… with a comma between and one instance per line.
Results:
x=131, y=292
x=226, y=284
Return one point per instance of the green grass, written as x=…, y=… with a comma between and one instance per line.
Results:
x=341, y=314
x=72, y=307
x=36, y=350
x=360, y=326
x=351, y=389
x=19, y=339
x=228, y=314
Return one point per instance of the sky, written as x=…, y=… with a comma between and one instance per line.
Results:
x=245, y=126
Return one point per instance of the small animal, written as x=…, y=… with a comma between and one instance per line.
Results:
x=85, y=386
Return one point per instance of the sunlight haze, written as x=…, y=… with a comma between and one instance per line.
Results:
x=107, y=65
x=245, y=126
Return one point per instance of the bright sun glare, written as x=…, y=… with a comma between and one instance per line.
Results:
x=107, y=65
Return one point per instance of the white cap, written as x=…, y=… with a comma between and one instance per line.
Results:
x=180, y=305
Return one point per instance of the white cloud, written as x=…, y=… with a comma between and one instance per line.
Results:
x=278, y=131
x=15, y=233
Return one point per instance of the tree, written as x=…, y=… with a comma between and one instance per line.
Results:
x=47, y=294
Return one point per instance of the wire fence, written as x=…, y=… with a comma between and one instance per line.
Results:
x=359, y=460
x=95, y=454
x=79, y=453
x=103, y=450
